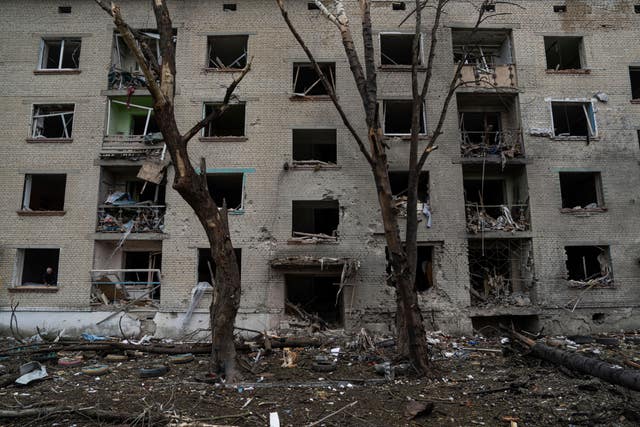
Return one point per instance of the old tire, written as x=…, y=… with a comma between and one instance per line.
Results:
x=182, y=358
x=70, y=361
x=153, y=372
x=95, y=370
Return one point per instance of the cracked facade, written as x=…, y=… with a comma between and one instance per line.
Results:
x=531, y=197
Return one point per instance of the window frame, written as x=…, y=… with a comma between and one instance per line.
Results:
x=384, y=113
x=32, y=132
x=43, y=46
x=18, y=271
x=397, y=33
x=597, y=183
x=244, y=172
x=581, y=53
x=634, y=69
x=331, y=77
x=25, y=206
x=210, y=38
x=592, y=122
x=223, y=137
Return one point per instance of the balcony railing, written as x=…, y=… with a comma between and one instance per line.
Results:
x=488, y=77
x=128, y=146
x=507, y=143
x=121, y=79
x=131, y=218
x=116, y=286
x=486, y=218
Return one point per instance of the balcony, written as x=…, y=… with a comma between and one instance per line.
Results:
x=133, y=218
x=501, y=218
x=508, y=143
x=492, y=77
x=127, y=285
x=132, y=146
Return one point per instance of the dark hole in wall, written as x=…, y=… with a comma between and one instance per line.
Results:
x=598, y=318
x=138, y=122
x=396, y=49
x=570, y=119
x=53, y=126
x=230, y=123
x=491, y=259
x=317, y=295
x=480, y=127
x=226, y=186
x=399, y=181
x=315, y=144
x=47, y=191
x=142, y=260
x=305, y=78
x=579, y=189
x=582, y=261
x=315, y=216
x=204, y=256
x=424, y=267
x=490, y=193
x=398, y=5
x=397, y=117
x=490, y=325
x=489, y=7
x=312, y=6
x=64, y=9
x=636, y=8
x=560, y=8
x=36, y=262
x=563, y=53
x=229, y=7
x=634, y=75
x=228, y=51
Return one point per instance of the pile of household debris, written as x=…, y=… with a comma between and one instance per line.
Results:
x=121, y=214
x=311, y=238
x=506, y=144
x=586, y=208
x=497, y=289
x=478, y=220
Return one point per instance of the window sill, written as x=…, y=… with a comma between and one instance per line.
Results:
x=57, y=71
x=571, y=211
x=222, y=70
x=40, y=213
x=310, y=165
x=405, y=137
x=574, y=138
x=43, y=288
x=310, y=98
x=403, y=68
x=223, y=138
x=571, y=71
x=635, y=101
x=312, y=242
x=49, y=140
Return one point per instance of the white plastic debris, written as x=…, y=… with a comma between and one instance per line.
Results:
x=274, y=420
x=31, y=371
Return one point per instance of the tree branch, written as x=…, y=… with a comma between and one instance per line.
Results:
x=167, y=48
x=330, y=89
x=217, y=112
x=369, y=61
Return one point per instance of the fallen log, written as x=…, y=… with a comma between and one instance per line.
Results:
x=96, y=414
x=587, y=365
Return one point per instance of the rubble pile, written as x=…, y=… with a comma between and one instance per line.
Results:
x=478, y=220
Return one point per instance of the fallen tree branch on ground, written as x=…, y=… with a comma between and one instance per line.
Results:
x=605, y=371
x=95, y=414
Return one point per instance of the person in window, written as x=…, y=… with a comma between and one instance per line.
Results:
x=50, y=278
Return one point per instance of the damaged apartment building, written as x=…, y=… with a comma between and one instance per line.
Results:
x=529, y=209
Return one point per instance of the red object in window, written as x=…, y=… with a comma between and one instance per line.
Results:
x=130, y=91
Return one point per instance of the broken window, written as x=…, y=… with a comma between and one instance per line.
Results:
x=139, y=275
x=314, y=145
x=52, y=121
x=399, y=181
x=207, y=266
x=424, y=267
x=306, y=82
x=397, y=117
x=480, y=127
x=560, y=8
x=398, y=5
x=581, y=190
x=397, y=49
x=573, y=119
x=227, y=187
x=37, y=267
x=588, y=266
x=483, y=48
x=227, y=52
x=44, y=192
x=132, y=117
x=315, y=294
x=60, y=54
x=230, y=123
x=634, y=75
x=488, y=194
x=229, y=7
x=501, y=271
x=563, y=53
x=315, y=219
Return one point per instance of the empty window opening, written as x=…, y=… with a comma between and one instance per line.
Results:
x=312, y=6
x=581, y=190
x=132, y=117
x=598, y=318
x=52, y=121
x=207, y=266
x=563, y=53
x=227, y=52
x=227, y=187
x=501, y=271
x=230, y=123
x=398, y=5
x=588, y=265
x=489, y=326
x=573, y=119
x=306, y=82
x=399, y=181
x=560, y=9
x=37, y=267
x=483, y=48
x=634, y=75
x=487, y=194
x=316, y=217
x=137, y=275
x=64, y=9
x=314, y=145
x=397, y=117
x=489, y=7
x=397, y=49
x=229, y=7
x=60, y=54
x=424, y=267
x=44, y=192
x=636, y=8
x=481, y=127
x=317, y=295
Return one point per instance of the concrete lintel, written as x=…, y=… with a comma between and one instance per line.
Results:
x=132, y=236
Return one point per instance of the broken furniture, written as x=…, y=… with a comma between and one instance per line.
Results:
x=117, y=286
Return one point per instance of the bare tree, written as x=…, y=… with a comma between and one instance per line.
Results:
x=410, y=329
x=160, y=76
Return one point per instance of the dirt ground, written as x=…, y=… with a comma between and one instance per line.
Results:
x=476, y=381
